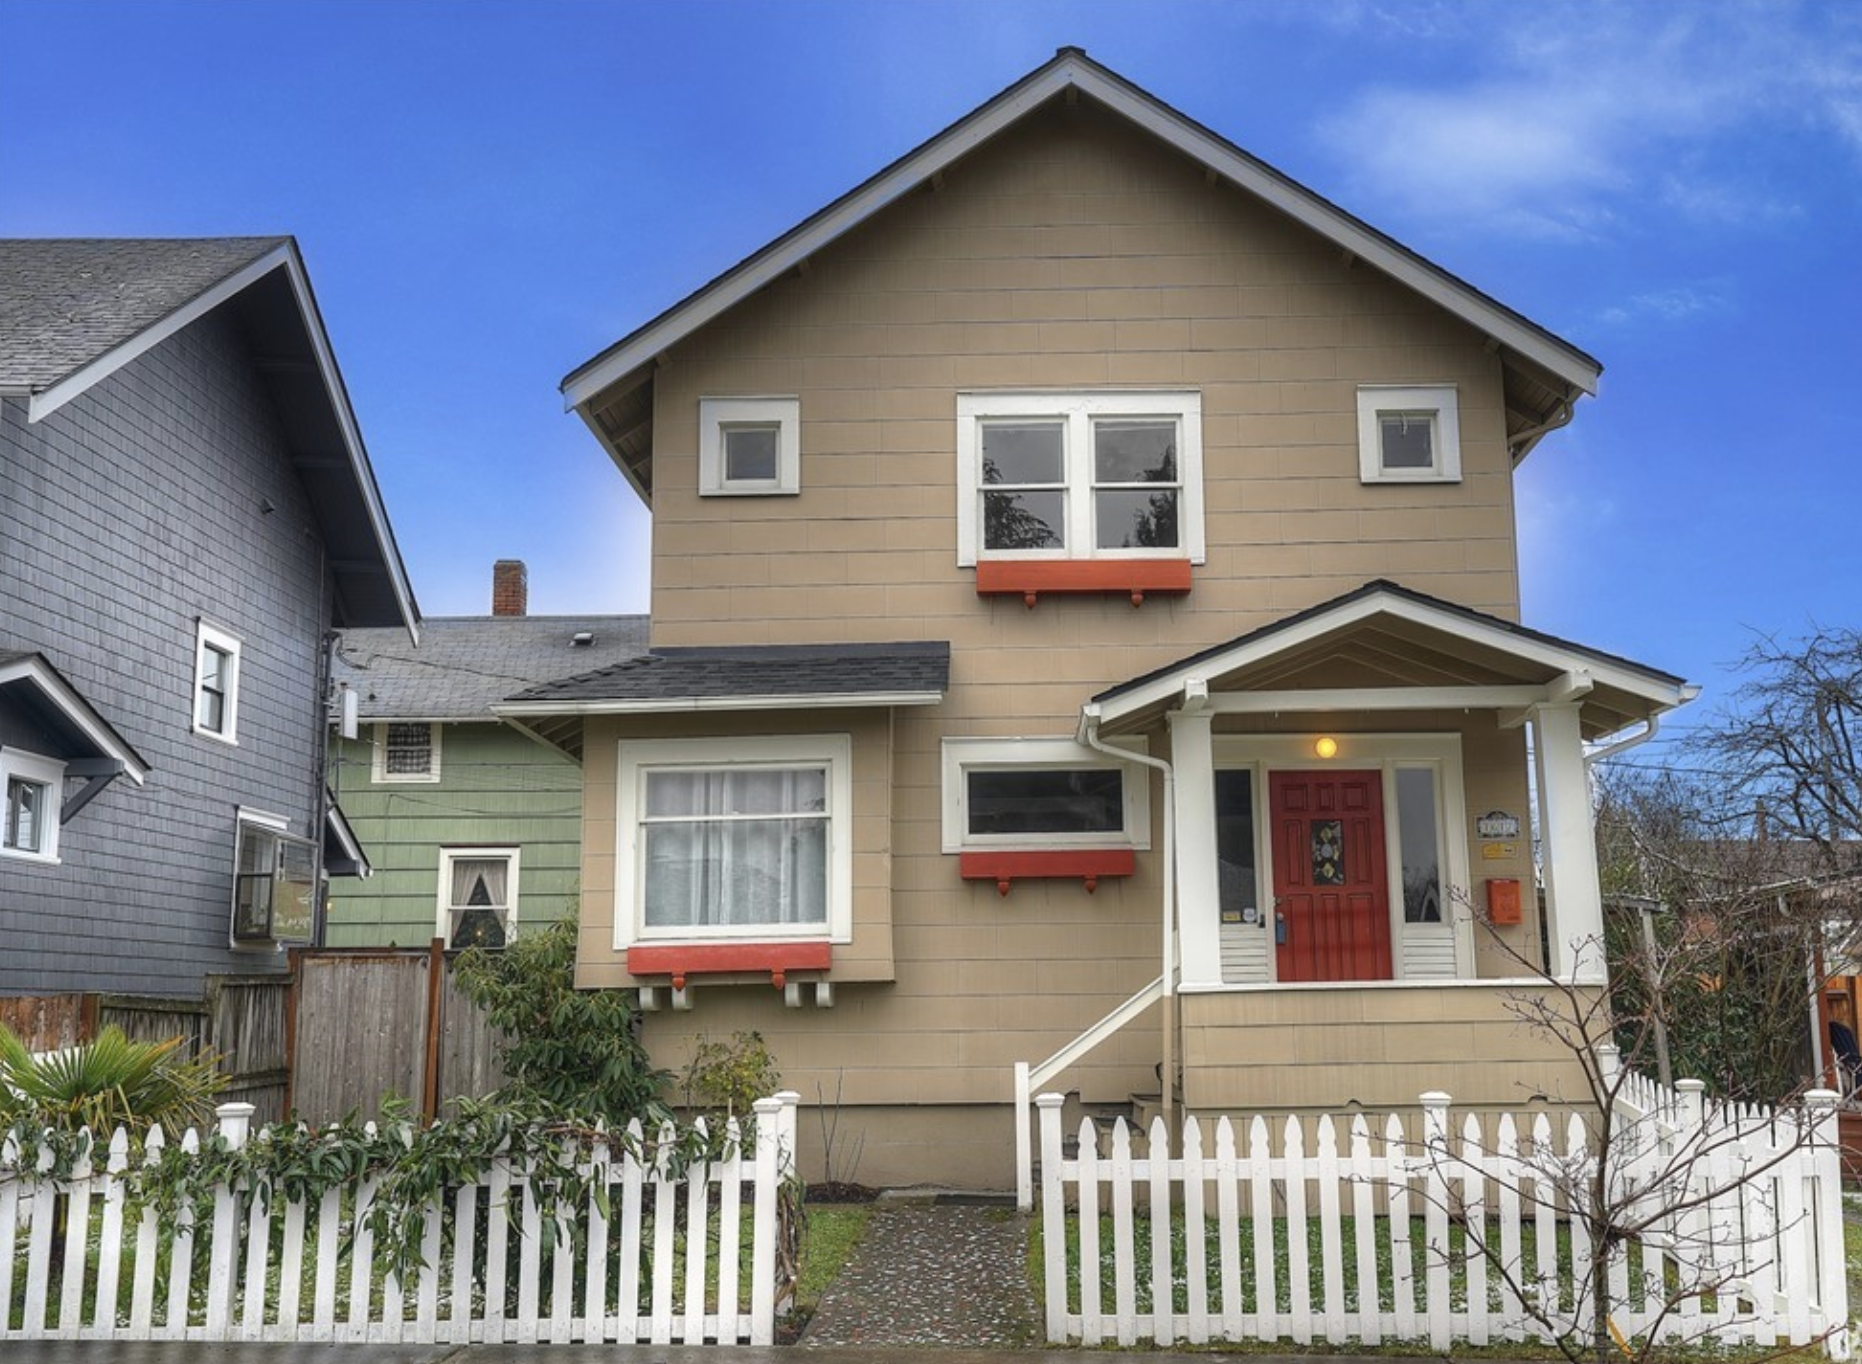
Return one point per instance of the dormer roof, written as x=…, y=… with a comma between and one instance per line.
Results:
x=1544, y=374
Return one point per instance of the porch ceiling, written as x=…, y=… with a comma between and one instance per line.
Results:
x=1365, y=650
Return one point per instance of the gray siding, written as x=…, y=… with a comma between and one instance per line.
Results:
x=125, y=517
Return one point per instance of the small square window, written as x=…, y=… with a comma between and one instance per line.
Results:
x=34, y=791
x=1409, y=435
x=406, y=751
x=216, y=684
x=749, y=447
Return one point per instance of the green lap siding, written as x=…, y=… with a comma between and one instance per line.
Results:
x=496, y=788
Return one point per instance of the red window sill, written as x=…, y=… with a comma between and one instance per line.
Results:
x=1030, y=578
x=682, y=960
x=1089, y=864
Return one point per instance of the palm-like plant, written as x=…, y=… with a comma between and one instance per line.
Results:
x=104, y=1084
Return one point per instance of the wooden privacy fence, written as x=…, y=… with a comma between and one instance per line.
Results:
x=1339, y=1234
x=373, y=1021
x=686, y=1256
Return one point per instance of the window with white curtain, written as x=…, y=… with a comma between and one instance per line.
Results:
x=478, y=896
x=743, y=838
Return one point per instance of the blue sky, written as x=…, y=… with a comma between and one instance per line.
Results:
x=489, y=193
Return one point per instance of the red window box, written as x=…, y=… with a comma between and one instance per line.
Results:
x=1030, y=578
x=1089, y=864
x=683, y=960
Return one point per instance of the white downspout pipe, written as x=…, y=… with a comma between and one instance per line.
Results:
x=1088, y=734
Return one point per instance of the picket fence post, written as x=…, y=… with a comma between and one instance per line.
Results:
x=1053, y=1217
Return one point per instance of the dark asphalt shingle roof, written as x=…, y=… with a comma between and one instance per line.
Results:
x=759, y=670
x=464, y=663
x=64, y=302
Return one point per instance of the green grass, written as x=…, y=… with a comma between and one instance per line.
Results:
x=829, y=1234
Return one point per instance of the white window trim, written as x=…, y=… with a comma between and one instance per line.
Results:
x=34, y=767
x=961, y=756
x=443, y=899
x=1441, y=400
x=207, y=637
x=715, y=415
x=1385, y=753
x=1079, y=410
x=379, y=772
x=640, y=756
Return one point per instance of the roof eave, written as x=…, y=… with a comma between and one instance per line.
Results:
x=667, y=705
x=1073, y=69
x=78, y=712
x=284, y=256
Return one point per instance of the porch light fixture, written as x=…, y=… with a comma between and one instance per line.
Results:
x=1326, y=746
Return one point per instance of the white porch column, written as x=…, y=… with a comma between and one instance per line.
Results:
x=1192, y=755
x=1573, y=898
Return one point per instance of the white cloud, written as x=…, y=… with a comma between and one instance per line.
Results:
x=1666, y=305
x=1578, y=108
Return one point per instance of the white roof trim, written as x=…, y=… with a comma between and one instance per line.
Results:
x=1602, y=672
x=1075, y=70
x=78, y=711
x=662, y=705
x=283, y=256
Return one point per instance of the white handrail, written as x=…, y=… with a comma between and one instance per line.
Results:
x=1030, y=1077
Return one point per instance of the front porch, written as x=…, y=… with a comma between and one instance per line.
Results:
x=1377, y=820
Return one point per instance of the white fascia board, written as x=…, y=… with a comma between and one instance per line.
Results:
x=664, y=705
x=284, y=257
x=1665, y=696
x=352, y=441
x=49, y=400
x=1375, y=699
x=79, y=712
x=1301, y=204
x=785, y=253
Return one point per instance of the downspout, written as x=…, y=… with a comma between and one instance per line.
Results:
x=1088, y=734
x=1650, y=727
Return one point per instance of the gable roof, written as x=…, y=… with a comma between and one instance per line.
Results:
x=464, y=663
x=1545, y=374
x=1449, y=642
x=74, y=311
x=32, y=687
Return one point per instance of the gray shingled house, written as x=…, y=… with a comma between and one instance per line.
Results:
x=186, y=512
x=473, y=827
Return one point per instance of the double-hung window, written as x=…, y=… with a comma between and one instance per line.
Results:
x=216, y=684
x=478, y=896
x=735, y=839
x=34, y=793
x=1070, y=476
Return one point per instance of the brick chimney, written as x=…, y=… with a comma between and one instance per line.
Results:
x=510, y=588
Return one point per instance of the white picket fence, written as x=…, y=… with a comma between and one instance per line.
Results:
x=662, y=1266
x=1339, y=1234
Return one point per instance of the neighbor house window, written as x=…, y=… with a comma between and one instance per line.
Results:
x=34, y=791
x=1079, y=476
x=216, y=684
x=274, y=881
x=749, y=446
x=407, y=751
x=478, y=896
x=1409, y=435
x=1040, y=794
x=738, y=838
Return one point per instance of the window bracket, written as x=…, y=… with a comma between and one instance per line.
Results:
x=1007, y=867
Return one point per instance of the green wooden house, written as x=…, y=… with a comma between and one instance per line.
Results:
x=472, y=827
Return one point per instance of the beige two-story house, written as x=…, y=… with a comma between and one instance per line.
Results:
x=1085, y=649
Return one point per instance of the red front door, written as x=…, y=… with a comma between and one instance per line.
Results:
x=1331, y=891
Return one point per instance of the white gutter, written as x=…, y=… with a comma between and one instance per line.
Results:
x=1649, y=729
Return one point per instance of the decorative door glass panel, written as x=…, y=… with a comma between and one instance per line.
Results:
x=1328, y=852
